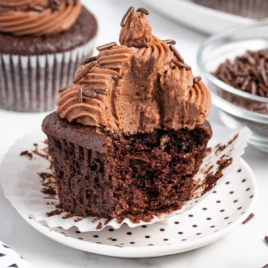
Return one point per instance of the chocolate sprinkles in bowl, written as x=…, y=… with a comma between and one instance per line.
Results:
x=248, y=73
x=235, y=66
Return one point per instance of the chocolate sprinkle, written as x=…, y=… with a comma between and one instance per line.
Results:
x=143, y=10
x=169, y=41
x=80, y=94
x=126, y=16
x=90, y=94
x=197, y=79
x=109, y=45
x=83, y=72
x=88, y=60
x=176, y=53
x=116, y=80
x=248, y=218
x=101, y=92
x=181, y=65
x=151, y=66
x=248, y=73
x=136, y=44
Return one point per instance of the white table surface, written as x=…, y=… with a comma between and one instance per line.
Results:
x=243, y=247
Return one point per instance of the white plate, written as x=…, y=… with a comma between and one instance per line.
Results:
x=207, y=222
x=201, y=18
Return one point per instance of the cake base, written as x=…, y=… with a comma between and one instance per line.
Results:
x=115, y=175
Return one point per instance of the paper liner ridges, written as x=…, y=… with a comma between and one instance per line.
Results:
x=21, y=182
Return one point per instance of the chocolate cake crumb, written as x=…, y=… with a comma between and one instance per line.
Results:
x=49, y=191
x=35, y=151
x=220, y=147
x=248, y=218
x=53, y=213
x=77, y=220
x=44, y=175
x=208, y=151
x=99, y=226
x=211, y=179
x=68, y=216
x=107, y=221
x=27, y=153
x=46, y=150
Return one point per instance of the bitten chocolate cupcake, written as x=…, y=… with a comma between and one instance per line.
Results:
x=130, y=133
x=256, y=9
x=42, y=43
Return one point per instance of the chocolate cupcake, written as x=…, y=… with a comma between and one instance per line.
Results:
x=131, y=132
x=256, y=9
x=41, y=45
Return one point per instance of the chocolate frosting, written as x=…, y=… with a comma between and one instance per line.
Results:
x=135, y=86
x=38, y=17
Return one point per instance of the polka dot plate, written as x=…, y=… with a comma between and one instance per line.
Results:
x=223, y=210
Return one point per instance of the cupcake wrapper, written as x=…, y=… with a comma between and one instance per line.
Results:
x=22, y=186
x=31, y=83
x=256, y=9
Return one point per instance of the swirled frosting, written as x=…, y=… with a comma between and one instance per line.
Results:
x=136, y=86
x=38, y=17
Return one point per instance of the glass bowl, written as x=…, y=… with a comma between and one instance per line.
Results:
x=236, y=108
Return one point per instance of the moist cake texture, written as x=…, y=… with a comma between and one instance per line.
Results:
x=106, y=174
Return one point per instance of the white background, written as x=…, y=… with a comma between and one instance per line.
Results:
x=244, y=247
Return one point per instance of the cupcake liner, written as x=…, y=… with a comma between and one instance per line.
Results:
x=31, y=83
x=22, y=184
x=256, y=9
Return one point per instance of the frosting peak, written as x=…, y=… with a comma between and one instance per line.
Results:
x=136, y=87
x=137, y=31
x=38, y=17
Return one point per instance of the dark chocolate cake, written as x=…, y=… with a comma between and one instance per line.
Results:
x=111, y=175
x=131, y=132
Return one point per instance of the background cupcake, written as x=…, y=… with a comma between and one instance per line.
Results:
x=41, y=44
x=256, y=9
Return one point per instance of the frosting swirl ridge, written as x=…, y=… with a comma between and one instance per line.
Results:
x=38, y=17
x=135, y=87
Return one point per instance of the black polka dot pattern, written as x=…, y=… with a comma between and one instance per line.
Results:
x=10, y=258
